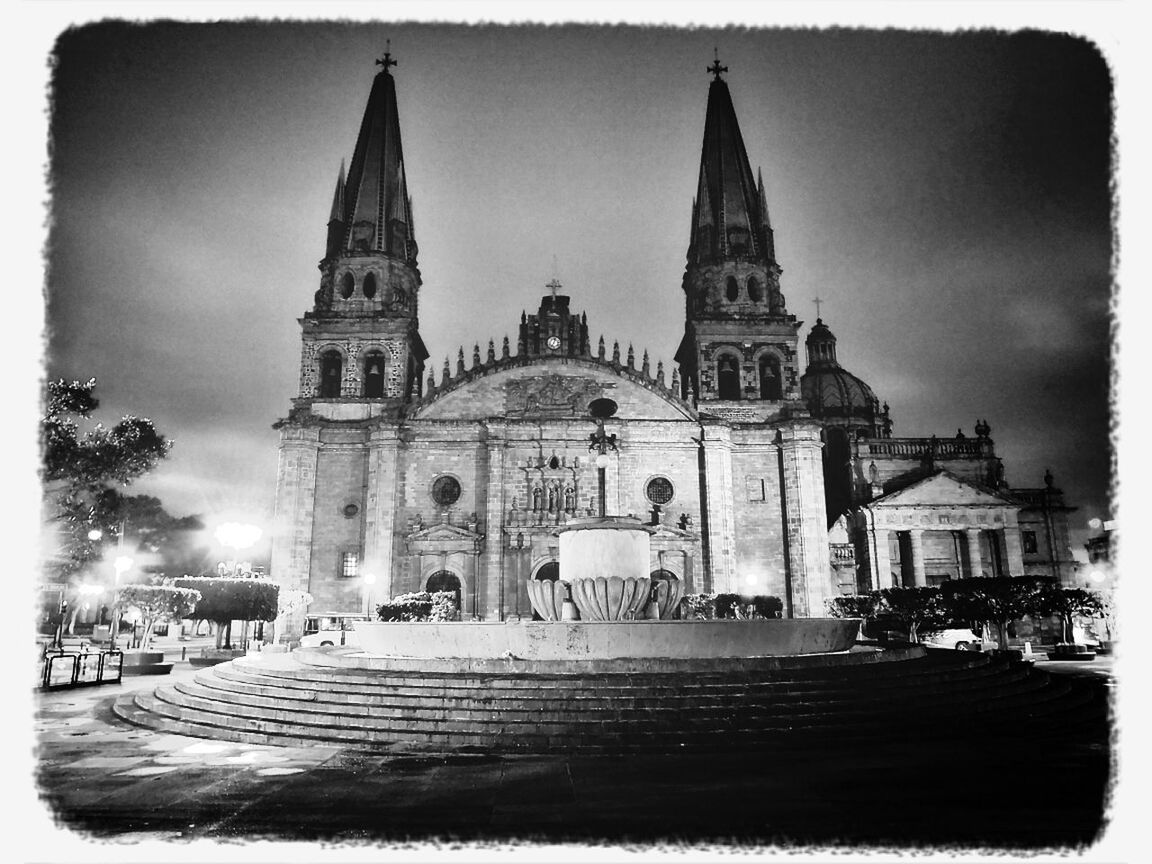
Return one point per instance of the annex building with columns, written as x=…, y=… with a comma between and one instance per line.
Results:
x=394, y=476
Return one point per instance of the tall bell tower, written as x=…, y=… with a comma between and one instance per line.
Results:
x=361, y=341
x=740, y=342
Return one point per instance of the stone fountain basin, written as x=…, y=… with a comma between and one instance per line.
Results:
x=601, y=640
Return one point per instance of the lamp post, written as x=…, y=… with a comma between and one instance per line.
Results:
x=121, y=565
x=601, y=443
x=369, y=581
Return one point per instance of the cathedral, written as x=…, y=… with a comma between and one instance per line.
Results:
x=755, y=477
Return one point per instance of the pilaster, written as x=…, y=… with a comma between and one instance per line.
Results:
x=494, y=585
x=916, y=536
x=972, y=535
x=380, y=519
x=806, y=525
x=291, y=558
x=718, y=530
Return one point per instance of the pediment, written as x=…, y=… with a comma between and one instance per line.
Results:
x=943, y=490
x=444, y=531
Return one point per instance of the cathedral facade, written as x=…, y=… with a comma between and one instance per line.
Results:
x=393, y=478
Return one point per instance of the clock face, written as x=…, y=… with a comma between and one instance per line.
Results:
x=553, y=342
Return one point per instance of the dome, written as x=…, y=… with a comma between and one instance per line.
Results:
x=831, y=391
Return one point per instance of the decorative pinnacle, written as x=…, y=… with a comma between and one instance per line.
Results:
x=387, y=60
x=716, y=68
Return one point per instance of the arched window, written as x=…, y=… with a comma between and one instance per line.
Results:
x=347, y=285
x=728, y=377
x=755, y=294
x=732, y=289
x=374, y=375
x=369, y=286
x=444, y=580
x=331, y=368
x=771, y=387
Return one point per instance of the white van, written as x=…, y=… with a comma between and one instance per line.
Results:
x=331, y=629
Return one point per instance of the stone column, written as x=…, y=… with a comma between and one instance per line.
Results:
x=291, y=561
x=806, y=524
x=1013, y=550
x=493, y=590
x=916, y=535
x=973, y=537
x=718, y=529
x=879, y=561
x=380, y=518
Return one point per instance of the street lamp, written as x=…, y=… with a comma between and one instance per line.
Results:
x=369, y=581
x=121, y=565
x=237, y=536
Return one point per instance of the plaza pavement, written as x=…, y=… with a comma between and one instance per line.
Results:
x=104, y=779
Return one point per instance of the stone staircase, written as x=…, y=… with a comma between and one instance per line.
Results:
x=310, y=698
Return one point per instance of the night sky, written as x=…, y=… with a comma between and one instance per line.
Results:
x=945, y=195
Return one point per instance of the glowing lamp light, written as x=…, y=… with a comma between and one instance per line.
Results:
x=749, y=580
x=602, y=461
x=95, y=534
x=122, y=564
x=369, y=578
x=237, y=535
x=1097, y=576
x=1095, y=524
x=91, y=590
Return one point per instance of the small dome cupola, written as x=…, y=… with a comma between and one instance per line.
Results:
x=821, y=345
x=833, y=394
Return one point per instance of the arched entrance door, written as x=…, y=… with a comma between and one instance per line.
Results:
x=444, y=580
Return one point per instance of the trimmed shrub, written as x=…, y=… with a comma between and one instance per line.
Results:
x=726, y=605
x=767, y=606
x=701, y=607
x=420, y=606
x=225, y=600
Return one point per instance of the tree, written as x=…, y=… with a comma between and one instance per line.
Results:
x=81, y=471
x=223, y=601
x=913, y=607
x=996, y=601
x=1069, y=603
x=159, y=603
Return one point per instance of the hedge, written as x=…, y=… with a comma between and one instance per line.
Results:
x=420, y=606
x=223, y=600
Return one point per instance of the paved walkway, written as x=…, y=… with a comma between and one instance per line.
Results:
x=106, y=779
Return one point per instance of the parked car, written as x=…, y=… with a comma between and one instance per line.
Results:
x=324, y=630
x=960, y=638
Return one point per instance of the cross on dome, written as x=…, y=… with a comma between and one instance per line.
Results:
x=553, y=284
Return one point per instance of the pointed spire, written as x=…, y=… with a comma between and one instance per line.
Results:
x=676, y=381
x=659, y=372
x=336, y=217
x=504, y=351
x=447, y=376
x=600, y=349
x=377, y=209
x=475, y=355
x=729, y=214
x=431, y=379
x=460, y=362
x=631, y=357
x=616, y=352
x=491, y=351
x=644, y=364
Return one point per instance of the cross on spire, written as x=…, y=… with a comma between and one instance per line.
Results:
x=387, y=60
x=716, y=68
x=818, y=301
x=554, y=284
